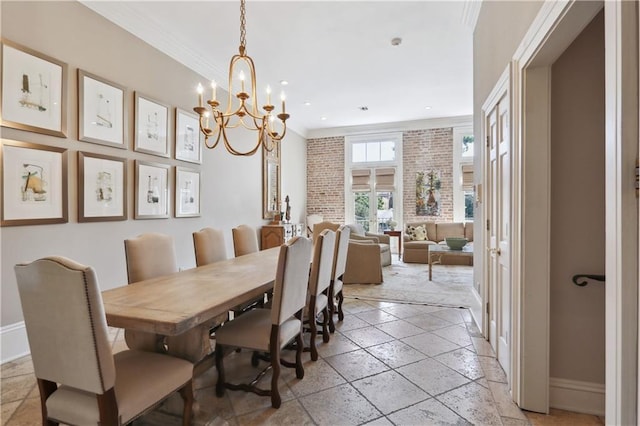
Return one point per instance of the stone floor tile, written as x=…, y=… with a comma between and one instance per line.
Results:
x=483, y=347
x=430, y=344
x=290, y=413
x=209, y=405
x=28, y=413
x=353, y=306
x=350, y=322
x=16, y=388
x=472, y=402
x=492, y=369
x=17, y=367
x=389, y=391
x=368, y=336
x=473, y=329
x=504, y=402
x=342, y=405
x=356, y=365
x=399, y=329
x=428, y=322
x=337, y=344
x=562, y=418
x=402, y=310
x=456, y=333
x=376, y=316
x=396, y=353
x=453, y=315
x=427, y=309
x=508, y=421
x=430, y=412
x=7, y=410
x=432, y=376
x=382, y=421
x=318, y=376
x=464, y=362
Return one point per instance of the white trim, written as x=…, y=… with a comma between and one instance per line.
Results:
x=577, y=396
x=470, y=13
x=400, y=126
x=458, y=194
x=13, y=342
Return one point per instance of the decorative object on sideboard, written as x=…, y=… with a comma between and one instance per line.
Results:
x=34, y=91
x=263, y=123
x=288, y=210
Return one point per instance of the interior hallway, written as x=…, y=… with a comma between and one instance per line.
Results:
x=387, y=364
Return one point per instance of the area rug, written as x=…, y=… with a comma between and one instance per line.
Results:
x=452, y=285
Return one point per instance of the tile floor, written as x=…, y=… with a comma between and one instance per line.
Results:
x=387, y=364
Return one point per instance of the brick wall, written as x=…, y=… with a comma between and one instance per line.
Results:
x=325, y=178
x=423, y=151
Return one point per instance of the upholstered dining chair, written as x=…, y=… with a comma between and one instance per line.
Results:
x=149, y=256
x=81, y=381
x=245, y=240
x=319, y=286
x=209, y=246
x=312, y=219
x=270, y=330
x=337, y=274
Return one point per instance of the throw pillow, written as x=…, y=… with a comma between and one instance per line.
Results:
x=410, y=232
x=420, y=233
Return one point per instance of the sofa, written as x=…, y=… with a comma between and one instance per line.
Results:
x=416, y=250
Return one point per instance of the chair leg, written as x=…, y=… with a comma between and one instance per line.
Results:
x=186, y=392
x=325, y=324
x=314, y=329
x=46, y=388
x=299, y=347
x=108, y=408
x=274, y=350
x=340, y=300
x=332, y=309
x=220, y=368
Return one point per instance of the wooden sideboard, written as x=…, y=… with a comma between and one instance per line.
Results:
x=276, y=235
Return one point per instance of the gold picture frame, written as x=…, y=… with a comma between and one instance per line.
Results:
x=102, y=187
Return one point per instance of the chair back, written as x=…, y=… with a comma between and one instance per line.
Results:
x=292, y=278
x=245, y=240
x=322, y=264
x=150, y=255
x=66, y=324
x=209, y=247
x=340, y=258
x=319, y=227
x=312, y=220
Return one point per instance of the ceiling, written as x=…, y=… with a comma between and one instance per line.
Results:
x=336, y=55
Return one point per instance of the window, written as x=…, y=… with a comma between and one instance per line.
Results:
x=373, y=179
x=468, y=190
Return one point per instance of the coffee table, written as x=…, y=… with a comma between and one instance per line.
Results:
x=437, y=250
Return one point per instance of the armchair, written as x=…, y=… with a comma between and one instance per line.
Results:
x=359, y=234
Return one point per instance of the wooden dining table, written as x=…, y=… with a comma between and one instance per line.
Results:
x=177, y=303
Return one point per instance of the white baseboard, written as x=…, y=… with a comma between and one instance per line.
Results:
x=577, y=396
x=13, y=342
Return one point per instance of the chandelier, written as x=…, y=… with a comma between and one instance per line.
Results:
x=244, y=110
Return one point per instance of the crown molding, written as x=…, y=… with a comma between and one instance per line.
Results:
x=470, y=13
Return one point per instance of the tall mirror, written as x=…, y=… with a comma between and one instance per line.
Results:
x=270, y=182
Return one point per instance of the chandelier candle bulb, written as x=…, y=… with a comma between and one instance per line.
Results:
x=242, y=80
x=213, y=90
x=282, y=98
x=268, y=95
x=200, y=91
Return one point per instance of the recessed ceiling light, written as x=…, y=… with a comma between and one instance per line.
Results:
x=323, y=118
x=284, y=82
x=427, y=107
x=307, y=103
x=363, y=108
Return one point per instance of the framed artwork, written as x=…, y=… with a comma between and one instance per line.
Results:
x=34, y=94
x=101, y=111
x=428, y=186
x=187, y=197
x=34, y=184
x=188, y=144
x=102, y=187
x=151, y=190
x=152, y=126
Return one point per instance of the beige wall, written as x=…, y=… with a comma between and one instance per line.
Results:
x=231, y=186
x=577, y=208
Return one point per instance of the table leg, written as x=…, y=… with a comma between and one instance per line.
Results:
x=430, y=264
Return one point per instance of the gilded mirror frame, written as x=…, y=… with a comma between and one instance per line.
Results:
x=271, y=182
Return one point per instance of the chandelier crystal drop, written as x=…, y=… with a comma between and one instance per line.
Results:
x=243, y=110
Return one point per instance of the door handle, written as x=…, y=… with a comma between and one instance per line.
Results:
x=495, y=251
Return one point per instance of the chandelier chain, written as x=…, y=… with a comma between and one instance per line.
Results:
x=243, y=23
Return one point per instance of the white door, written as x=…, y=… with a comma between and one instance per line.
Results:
x=499, y=168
